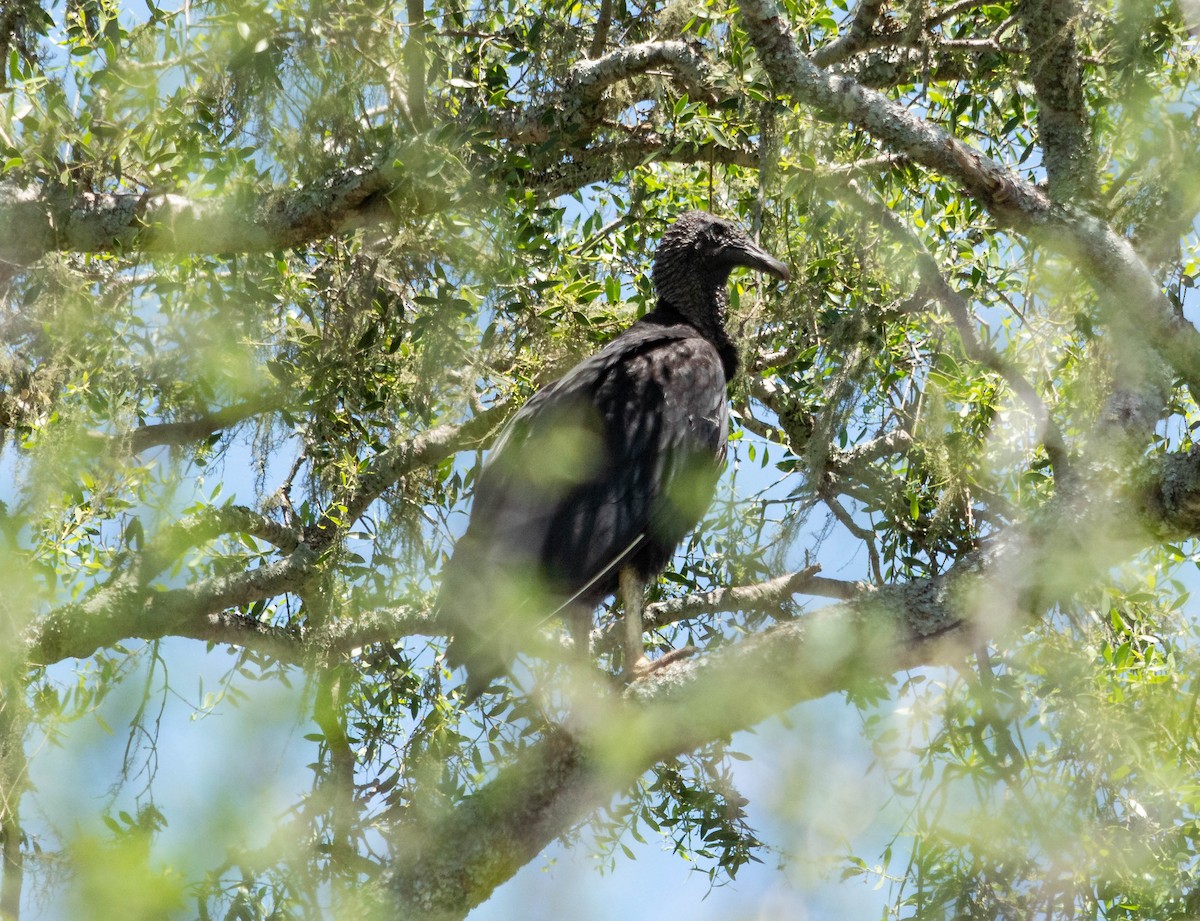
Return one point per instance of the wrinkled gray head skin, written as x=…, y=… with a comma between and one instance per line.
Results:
x=693, y=262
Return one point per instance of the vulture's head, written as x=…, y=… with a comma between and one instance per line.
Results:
x=693, y=262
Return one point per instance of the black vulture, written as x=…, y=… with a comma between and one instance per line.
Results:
x=602, y=473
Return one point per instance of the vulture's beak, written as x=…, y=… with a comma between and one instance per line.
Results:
x=752, y=256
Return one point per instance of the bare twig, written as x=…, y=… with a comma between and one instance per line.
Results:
x=854, y=38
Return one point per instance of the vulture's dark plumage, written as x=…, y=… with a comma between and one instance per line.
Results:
x=602, y=473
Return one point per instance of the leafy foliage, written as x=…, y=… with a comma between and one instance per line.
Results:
x=291, y=265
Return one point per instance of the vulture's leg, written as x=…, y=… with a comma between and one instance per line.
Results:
x=579, y=625
x=633, y=594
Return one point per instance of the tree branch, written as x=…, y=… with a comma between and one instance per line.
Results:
x=603, y=23
x=14, y=781
x=557, y=173
x=854, y=38
x=1057, y=76
x=1111, y=264
x=414, y=62
x=55, y=219
x=574, y=110
x=127, y=609
x=207, y=525
x=188, y=431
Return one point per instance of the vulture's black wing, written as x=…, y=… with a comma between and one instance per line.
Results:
x=608, y=467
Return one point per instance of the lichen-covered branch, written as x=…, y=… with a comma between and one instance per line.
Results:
x=1056, y=72
x=53, y=219
x=1109, y=260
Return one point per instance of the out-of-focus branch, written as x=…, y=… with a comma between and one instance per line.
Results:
x=449, y=859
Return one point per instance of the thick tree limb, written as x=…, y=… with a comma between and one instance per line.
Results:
x=1056, y=72
x=60, y=220
x=887, y=67
x=450, y=859
x=844, y=460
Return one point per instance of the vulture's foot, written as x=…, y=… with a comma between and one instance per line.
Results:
x=644, y=667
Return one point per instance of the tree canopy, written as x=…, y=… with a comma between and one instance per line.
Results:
x=274, y=275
